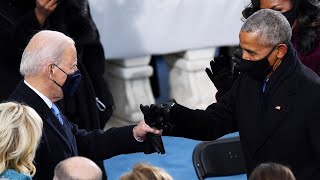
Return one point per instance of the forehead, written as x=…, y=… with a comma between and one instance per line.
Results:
x=269, y=4
x=69, y=55
x=250, y=40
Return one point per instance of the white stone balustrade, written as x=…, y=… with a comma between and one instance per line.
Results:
x=139, y=28
x=129, y=83
x=188, y=81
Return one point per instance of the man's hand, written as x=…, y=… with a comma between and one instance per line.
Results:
x=44, y=8
x=140, y=131
x=220, y=75
x=157, y=116
x=219, y=69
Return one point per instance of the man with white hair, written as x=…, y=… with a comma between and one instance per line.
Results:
x=77, y=168
x=274, y=103
x=49, y=67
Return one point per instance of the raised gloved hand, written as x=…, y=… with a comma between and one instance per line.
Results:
x=220, y=75
x=157, y=116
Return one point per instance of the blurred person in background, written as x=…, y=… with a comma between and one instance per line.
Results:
x=272, y=171
x=143, y=171
x=20, y=133
x=77, y=168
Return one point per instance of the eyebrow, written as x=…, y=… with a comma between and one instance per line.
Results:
x=248, y=50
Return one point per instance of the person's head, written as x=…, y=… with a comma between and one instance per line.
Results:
x=304, y=13
x=20, y=133
x=77, y=168
x=287, y=7
x=48, y=62
x=271, y=171
x=264, y=39
x=142, y=171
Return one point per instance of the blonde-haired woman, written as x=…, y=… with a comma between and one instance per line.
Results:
x=20, y=133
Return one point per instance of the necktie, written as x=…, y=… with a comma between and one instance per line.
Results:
x=56, y=112
x=264, y=84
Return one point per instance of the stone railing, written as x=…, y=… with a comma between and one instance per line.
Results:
x=133, y=30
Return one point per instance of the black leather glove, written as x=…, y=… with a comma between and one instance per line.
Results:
x=219, y=69
x=220, y=75
x=157, y=116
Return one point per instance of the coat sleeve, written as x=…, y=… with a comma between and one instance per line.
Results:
x=100, y=145
x=210, y=124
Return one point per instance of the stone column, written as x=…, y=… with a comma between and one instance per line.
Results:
x=130, y=86
x=188, y=81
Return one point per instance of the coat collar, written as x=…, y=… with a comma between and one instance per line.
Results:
x=283, y=73
x=26, y=95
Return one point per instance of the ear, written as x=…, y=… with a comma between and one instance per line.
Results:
x=282, y=51
x=50, y=70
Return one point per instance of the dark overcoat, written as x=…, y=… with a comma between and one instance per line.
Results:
x=280, y=125
x=59, y=142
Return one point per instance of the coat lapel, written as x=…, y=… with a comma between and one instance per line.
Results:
x=276, y=115
x=273, y=106
x=24, y=94
x=54, y=124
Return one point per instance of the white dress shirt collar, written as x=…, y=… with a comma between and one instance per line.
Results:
x=43, y=97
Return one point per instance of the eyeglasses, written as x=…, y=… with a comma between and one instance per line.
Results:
x=74, y=67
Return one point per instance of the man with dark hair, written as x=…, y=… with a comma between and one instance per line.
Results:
x=274, y=103
x=272, y=171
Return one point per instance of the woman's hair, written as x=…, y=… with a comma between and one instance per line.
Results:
x=20, y=133
x=271, y=171
x=308, y=22
x=142, y=171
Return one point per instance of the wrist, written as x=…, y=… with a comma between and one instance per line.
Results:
x=40, y=17
x=138, y=138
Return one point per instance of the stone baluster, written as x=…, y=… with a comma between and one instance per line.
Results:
x=130, y=85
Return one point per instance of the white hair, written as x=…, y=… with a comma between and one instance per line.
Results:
x=271, y=25
x=44, y=48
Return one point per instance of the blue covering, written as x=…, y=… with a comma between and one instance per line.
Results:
x=14, y=175
x=177, y=161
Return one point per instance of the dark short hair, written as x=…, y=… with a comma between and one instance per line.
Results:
x=271, y=171
x=271, y=25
